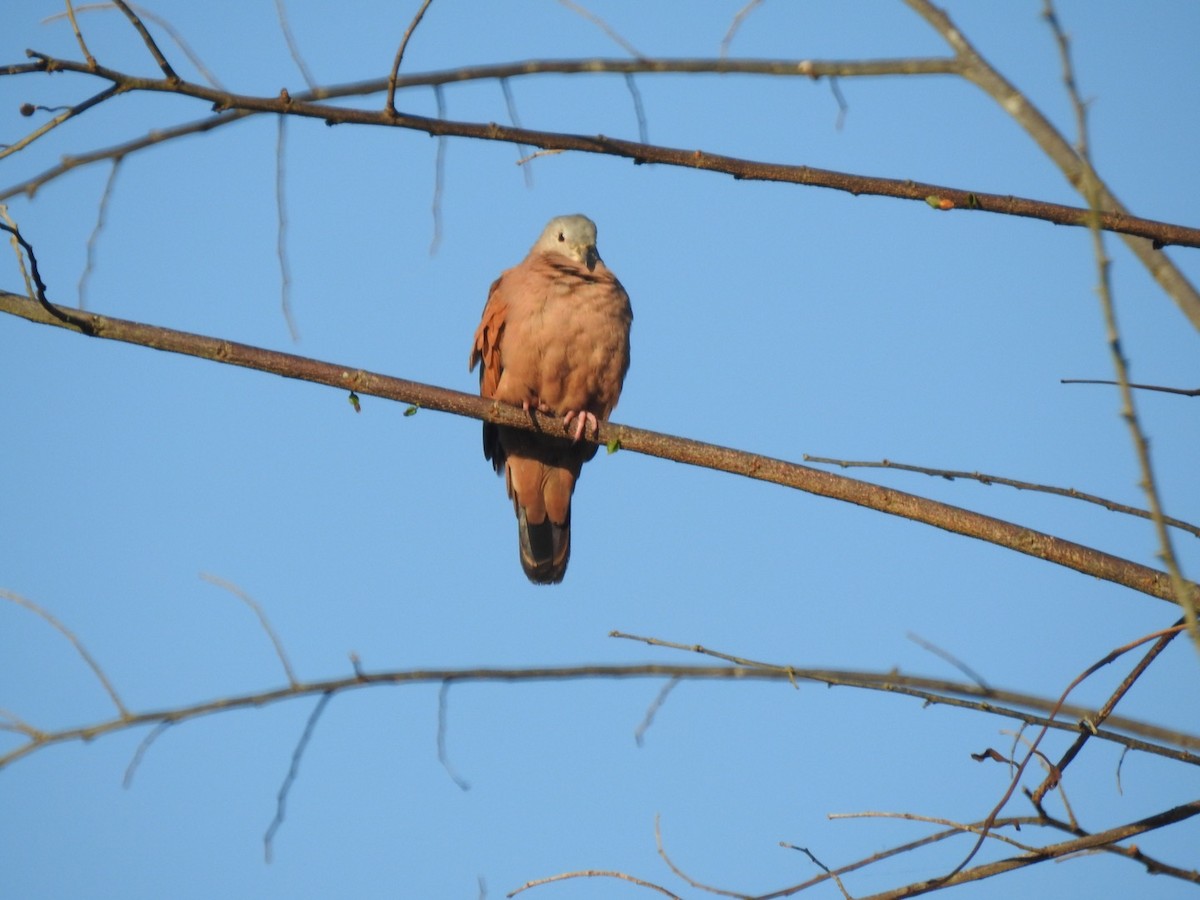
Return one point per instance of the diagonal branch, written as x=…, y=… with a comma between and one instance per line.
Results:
x=1074, y=166
x=148, y=40
x=1097, y=841
x=938, y=196
x=985, y=479
x=814, y=481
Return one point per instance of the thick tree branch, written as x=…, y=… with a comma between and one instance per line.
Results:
x=814, y=481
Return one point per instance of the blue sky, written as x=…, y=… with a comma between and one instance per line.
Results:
x=772, y=318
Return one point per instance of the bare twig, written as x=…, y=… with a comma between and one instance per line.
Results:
x=1033, y=747
x=1093, y=190
x=1102, y=840
x=824, y=868
x=1103, y=713
x=985, y=479
x=101, y=218
x=443, y=697
x=293, y=771
x=929, y=690
x=581, y=10
x=738, y=19
x=64, y=116
x=593, y=873
x=679, y=873
x=163, y=23
x=1185, y=392
x=515, y=121
x=49, y=618
x=165, y=66
x=293, y=47
x=281, y=227
x=87, y=54
x=950, y=658
x=656, y=704
x=142, y=747
x=638, y=109
x=390, y=105
x=439, y=174
x=258, y=611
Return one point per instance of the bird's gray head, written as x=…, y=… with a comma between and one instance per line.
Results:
x=572, y=236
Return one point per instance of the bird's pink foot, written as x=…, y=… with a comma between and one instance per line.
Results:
x=539, y=407
x=583, y=420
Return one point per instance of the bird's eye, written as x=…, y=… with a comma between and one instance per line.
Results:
x=561, y=237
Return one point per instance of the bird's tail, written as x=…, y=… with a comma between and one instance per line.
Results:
x=545, y=548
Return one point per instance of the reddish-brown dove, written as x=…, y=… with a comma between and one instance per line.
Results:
x=554, y=338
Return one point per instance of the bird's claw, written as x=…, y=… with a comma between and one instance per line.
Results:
x=583, y=420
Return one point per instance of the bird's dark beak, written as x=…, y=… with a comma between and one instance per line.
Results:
x=591, y=258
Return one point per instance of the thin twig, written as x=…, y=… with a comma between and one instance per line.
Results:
x=975, y=828
x=824, y=868
x=638, y=109
x=1093, y=190
x=439, y=174
x=163, y=23
x=64, y=116
x=593, y=873
x=1036, y=743
x=1103, y=840
x=842, y=105
x=679, y=873
x=260, y=613
x=443, y=697
x=515, y=121
x=165, y=66
x=911, y=685
x=738, y=19
x=390, y=105
x=293, y=771
x=950, y=658
x=49, y=618
x=87, y=54
x=142, y=747
x=281, y=227
x=293, y=47
x=656, y=704
x=1104, y=712
x=1185, y=392
x=101, y=220
x=603, y=26
x=986, y=479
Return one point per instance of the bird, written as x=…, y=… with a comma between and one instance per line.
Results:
x=553, y=340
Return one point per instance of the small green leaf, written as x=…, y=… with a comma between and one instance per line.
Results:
x=412, y=410
x=934, y=200
x=354, y=402
x=613, y=445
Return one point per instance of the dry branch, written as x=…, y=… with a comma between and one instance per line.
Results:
x=954, y=519
x=940, y=196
